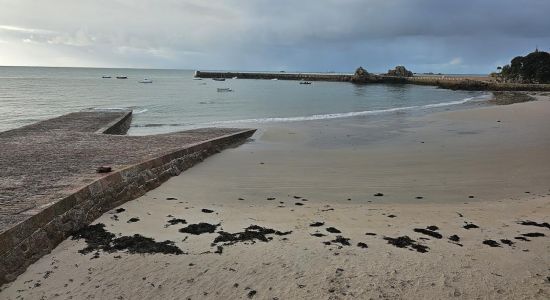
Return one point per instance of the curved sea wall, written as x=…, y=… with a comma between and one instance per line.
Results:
x=447, y=82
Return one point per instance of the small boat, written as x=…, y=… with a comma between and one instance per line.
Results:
x=122, y=77
x=274, y=78
x=197, y=78
x=145, y=80
x=221, y=90
x=235, y=77
x=105, y=76
x=218, y=79
x=305, y=82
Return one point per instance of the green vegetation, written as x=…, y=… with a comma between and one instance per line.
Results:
x=532, y=68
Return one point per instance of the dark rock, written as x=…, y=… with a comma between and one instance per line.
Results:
x=405, y=241
x=532, y=223
x=104, y=169
x=333, y=230
x=491, y=243
x=507, y=242
x=175, y=221
x=428, y=232
x=533, y=234
x=199, y=228
x=454, y=238
x=400, y=71
x=318, y=234
x=317, y=224
x=250, y=234
x=470, y=226
x=341, y=240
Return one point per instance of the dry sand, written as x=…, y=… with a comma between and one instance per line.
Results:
x=498, y=155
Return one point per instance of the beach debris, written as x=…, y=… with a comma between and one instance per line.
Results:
x=171, y=198
x=370, y=233
x=250, y=234
x=454, y=238
x=104, y=169
x=532, y=223
x=119, y=210
x=251, y=294
x=378, y=195
x=471, y=197
x=460, y=215
x=297, y=197
x=419, y=197
x=507, y=242
x=317, y=224
x=298, y=203
x=97, y=238
x=521, y=238
x=432, y=228
x=199, y=228
x=362, y=245
x=207, y=211
x=271, y=198
x=219, y=250
x=429, y=232
x=341, y=240
x=405, y=241
x=133, y=220
x=392, y=216
x=333, y=230
x=491, y=243
x=533, y=234
x=470, y=226
x=318, y=234
x=240, y=199
x=175, y=221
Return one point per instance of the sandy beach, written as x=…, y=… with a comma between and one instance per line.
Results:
x=429, y=206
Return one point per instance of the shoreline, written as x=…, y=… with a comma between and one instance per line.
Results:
x=496, y=154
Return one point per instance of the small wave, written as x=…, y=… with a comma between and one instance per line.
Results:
x=135, y=110
x=356, y=113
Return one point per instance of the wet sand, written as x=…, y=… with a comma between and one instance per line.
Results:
x=368, y=180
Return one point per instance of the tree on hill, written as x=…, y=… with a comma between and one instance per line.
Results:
x=532, y=68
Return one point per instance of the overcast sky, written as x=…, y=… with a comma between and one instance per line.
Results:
x=462, y=36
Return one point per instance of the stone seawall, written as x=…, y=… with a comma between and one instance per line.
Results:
x=447, y=82
x=31, y=229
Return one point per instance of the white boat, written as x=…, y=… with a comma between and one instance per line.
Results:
x=145, y=80
x=235, y=77
x=105, y=76
x=274, y=78
x=220, y=90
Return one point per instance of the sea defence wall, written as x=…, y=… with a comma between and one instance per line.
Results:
x=448, y=82
x=49, y=186
x=279, y=76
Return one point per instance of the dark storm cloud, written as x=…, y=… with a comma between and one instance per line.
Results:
x=426, y=35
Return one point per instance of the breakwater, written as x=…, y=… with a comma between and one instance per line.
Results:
x=447, y=82
x=50, y=187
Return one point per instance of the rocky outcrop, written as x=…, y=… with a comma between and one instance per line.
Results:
x=361, y=76
x=400, y=71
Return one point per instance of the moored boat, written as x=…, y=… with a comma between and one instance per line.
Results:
x=145, y=80
x=122, y=77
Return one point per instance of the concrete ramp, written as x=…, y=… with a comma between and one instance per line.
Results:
x=49, y=186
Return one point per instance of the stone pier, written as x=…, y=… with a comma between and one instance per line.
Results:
x=49, y=186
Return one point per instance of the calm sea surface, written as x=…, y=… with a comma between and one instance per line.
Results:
x=176, y=101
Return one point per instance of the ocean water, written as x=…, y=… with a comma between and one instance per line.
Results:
x=175, y=101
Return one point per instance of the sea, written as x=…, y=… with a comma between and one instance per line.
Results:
x=175, y=100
